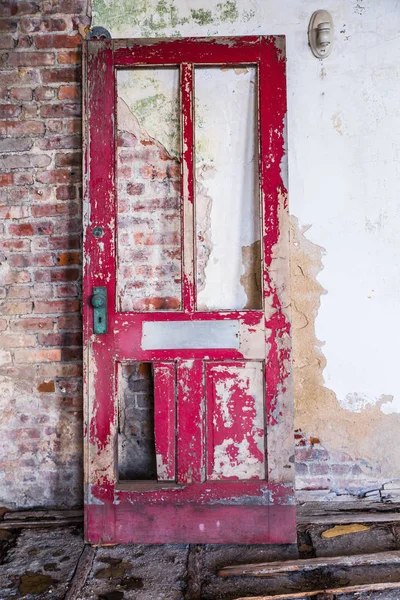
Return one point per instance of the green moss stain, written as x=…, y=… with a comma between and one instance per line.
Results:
x=149, y=19
x=201, y=16
x=162, y=18
x=228, y=11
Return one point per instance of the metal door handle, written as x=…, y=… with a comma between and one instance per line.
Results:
x=99, y=303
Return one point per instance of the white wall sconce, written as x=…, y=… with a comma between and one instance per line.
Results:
x=320, y=33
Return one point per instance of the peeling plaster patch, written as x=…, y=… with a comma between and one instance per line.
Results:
x=152, y=95
x=227, y=206
x=251, y=278
x=203, y=225
x=357, y=402
x=361, y=428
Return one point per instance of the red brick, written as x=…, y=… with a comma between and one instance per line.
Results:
x=64, y=275
x=59, y=370
x=15, y=245
x=41, y=291
x=24, y=161
x=43, y=194
x=58, y=176
x=68, y=290
x=27, y=229
x=74, y=126
x=32, y=324
x=61, y=75
x=31, y=59
x=69, y=57
x=149, y=239
x=71, y=354
x=6, y=179
x=60, y=339
x=64, y=6
x=70, y=322
x=57, y=306
x=8, y=111
x=35, y=25
x=20, y=77
x=31, y=260
x=6, y=42
x=61, y=142
x=19, y=291
x=50, y=210
x=44, y=93
x=37, y=356
x=135, y=189
x=66, y=192
x=69, y=92
x=68, y=159
x=21, y=7
x=15, y=145
x=23, y=179
x=24, y=42
x=47, y=386
x=69, y=258
x=8, y=25
x=16, y=277
x=22, y=94
x=70, y=242
x=14, y=212
x=21, y=128
x=60, y=111
x=17, y=308
x=17, y=341
x=54, y=126
x=57, y=41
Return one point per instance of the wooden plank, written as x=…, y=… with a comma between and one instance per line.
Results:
x=191, y=425
x=310, y=564
x=318, y=508
x=81, y=573
x=367, y=517
x=18, y=515
x=368, y=587
x=164, y=420
x=40, y=523
x=187, y=187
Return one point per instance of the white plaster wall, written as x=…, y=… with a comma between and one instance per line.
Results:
x=344, y=167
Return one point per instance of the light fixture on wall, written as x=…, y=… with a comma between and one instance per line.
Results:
x=320, y=33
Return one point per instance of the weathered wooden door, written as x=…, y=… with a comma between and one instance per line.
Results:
x=187, y=337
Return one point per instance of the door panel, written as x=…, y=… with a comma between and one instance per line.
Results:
x=164, y=420
x=236, y=420
x=188, y=396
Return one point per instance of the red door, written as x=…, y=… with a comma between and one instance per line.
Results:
x=187, y=338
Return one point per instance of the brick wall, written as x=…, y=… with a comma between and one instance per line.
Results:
x=40, y=209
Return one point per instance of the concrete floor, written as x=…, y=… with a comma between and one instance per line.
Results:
x=55, y=564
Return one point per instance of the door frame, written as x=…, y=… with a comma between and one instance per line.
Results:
x=126, y=512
